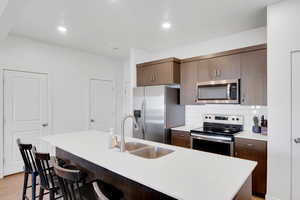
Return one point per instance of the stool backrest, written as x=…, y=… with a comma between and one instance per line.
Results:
x=27, y=156
x=45, y=169
x=69, y=181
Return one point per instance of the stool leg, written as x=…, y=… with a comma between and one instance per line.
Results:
x=25, y=185
x=33, y=183
x=41, y=196
x=52, y=195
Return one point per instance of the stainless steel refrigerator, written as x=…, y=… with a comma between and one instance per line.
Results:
x=157, y=109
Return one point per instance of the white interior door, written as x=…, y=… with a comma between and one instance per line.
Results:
x=295, y=125
x=25, y=114
x=102, y=105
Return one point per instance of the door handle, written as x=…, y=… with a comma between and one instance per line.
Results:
x=92, y=120
x=45, y=125
x=297, y=140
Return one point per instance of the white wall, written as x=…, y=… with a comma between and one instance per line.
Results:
x=69, y=73
x=235, y=41
x=283, y=37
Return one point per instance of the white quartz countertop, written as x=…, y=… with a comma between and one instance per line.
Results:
x=186, y=128
x=183, y=174
x=252, y=136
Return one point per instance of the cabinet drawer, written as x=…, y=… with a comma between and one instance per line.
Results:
x=249, y=147
x=181, y=138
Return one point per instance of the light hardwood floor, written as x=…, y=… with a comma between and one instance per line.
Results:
x=11, y=188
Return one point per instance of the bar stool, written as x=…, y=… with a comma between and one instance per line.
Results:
x=73, y=185
x=29, y=169
x=49, y=180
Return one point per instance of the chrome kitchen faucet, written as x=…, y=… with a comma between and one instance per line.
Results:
x=136, y=127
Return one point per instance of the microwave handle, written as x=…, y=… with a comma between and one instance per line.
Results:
x=228, y=91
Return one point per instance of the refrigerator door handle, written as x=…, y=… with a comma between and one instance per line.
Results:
x=143, y=119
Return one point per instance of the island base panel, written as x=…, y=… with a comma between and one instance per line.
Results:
x=131, y=190
x=245, y=192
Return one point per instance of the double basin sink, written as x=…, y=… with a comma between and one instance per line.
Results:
x=146, y=151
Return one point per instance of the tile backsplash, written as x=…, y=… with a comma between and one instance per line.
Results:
x=194, y=113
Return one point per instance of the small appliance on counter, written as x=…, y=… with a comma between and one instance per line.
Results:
x=217, y=134
x=256, y=128
x=264, y=126
x=260, y=127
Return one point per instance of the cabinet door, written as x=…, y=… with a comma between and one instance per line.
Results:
x=257, y=151
x=159, y=74
x=188, y=79
x=163, y=73
x=148, y=75
x=180, y=138
x=139, y=79
x=254, y=78
x=204, y=73
x=226, y=67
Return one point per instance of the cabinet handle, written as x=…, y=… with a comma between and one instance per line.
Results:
x=243, y=98
x=250, y=145
x=45, y=125
x=219, y=73
x=297, y=140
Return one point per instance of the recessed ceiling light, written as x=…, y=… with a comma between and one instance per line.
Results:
x=62, y=29
x=166, y=25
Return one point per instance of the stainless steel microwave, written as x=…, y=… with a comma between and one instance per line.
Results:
x=219, y=92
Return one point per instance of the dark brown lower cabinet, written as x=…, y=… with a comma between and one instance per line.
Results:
x=255, y=150
x=181, y=138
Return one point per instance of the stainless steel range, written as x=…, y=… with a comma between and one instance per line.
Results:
x=217, y=133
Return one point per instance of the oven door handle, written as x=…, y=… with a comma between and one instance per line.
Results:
x=210, y=138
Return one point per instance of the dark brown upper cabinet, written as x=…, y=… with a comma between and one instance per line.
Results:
x=160, y=72
x=193, y=72
x=225, y=67
x=204, y=73
x=254, y=78
x=248, y=64
x=188, y=76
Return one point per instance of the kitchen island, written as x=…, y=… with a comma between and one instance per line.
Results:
x=182, y=174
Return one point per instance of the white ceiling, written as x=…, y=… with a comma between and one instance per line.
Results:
x=100, y=25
